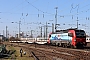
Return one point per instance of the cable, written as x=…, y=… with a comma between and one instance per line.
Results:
x=37, y=8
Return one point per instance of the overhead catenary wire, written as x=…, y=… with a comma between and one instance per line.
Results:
x=38, y=8
x=43, y=11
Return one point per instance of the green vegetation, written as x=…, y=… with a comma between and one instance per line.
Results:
x=2, y=49
x=16, y=54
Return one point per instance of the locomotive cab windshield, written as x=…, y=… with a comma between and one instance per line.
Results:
x=80, y=33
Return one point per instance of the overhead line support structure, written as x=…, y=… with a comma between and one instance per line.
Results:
x=19, y=28
x=56, y=19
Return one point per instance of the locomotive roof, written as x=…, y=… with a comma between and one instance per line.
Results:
x=68, y=29
x=65, y=31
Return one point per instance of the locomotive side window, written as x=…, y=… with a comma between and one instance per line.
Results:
x=70, y=34
x=49, y=36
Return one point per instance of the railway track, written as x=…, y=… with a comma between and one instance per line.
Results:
x=45, y=52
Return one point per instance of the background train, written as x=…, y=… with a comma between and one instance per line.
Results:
x=40, y=40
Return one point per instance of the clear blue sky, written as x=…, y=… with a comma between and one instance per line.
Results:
x=32, y=12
